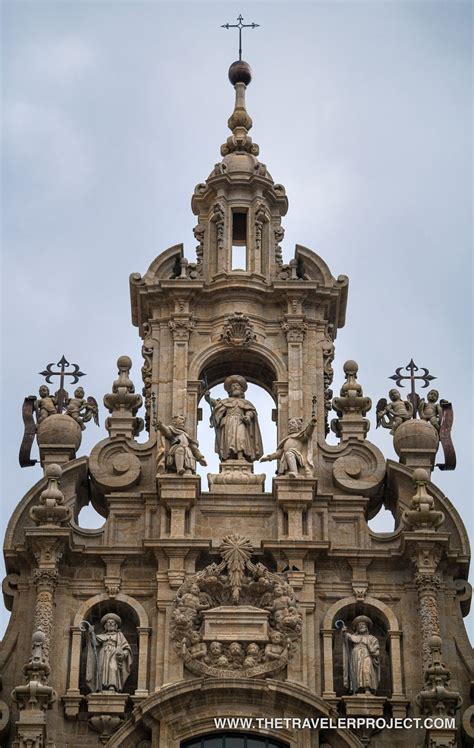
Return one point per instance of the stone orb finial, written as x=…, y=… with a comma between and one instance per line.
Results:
x=351, y=367
x=420, y=475
x=240, y=72
x=124, y=362
x=435, y=642
x=53, y=471
x=415, y=435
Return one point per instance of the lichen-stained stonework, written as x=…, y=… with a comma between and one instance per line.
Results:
x=193, y=602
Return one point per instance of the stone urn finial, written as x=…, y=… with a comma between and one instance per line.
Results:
x=51, y=510
x=422, y=515
x=123, y=403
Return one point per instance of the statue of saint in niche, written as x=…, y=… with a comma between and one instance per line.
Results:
x=109, y=656
x=361, y=657
x=236, y=423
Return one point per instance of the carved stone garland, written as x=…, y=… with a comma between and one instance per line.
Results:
x=236, y=619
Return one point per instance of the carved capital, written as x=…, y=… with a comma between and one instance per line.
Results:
x=181, y=327
x=45, y=579
x=294, y=329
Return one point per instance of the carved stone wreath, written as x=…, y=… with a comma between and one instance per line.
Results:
x=236, y=618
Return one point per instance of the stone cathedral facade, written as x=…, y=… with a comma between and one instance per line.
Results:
x=194, y=602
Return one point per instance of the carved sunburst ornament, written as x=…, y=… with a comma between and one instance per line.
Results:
x=236, y=551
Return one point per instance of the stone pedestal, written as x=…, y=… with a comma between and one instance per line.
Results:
x=236, y=476
x=178, y=493
x=106, y=712
x=294, y=496
x=106, y=702
x=364, y=705
x=230, y=623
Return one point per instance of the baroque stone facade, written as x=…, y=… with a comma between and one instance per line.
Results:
x=193, y=602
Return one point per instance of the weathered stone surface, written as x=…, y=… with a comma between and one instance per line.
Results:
x=227, y=599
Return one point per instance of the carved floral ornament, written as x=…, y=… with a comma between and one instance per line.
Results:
x=238, y=330
x=236, y=618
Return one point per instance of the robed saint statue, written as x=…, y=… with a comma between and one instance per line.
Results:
x=235, y=422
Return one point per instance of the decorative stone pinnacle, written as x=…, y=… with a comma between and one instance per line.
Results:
x=436, y=699
x=35, y=696
x=351, y=406
x=240, y=122
x=422, y=515
x=123, y=403
x=51, y=510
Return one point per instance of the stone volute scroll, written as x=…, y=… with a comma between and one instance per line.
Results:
x=235, y=618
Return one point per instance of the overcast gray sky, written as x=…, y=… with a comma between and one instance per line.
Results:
x=113, y=111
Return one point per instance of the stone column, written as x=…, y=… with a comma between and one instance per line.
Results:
x=295, y=330
x=143, y=638
x=328, y=674
x=45, y=581
x=427, y=586
x=181, y=326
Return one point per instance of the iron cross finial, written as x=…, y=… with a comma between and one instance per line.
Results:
x=411, y=368
x=63, y=364
x=240, y=25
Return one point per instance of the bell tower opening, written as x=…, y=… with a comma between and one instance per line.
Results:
x=239, y=241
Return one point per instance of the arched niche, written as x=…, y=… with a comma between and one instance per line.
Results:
x=136, y=629
x=258, y=364
x=385, y=622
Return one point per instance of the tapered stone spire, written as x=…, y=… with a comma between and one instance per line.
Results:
x=240, y=122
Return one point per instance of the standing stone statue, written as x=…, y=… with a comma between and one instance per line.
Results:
x=293, y=452
x=361, y=657
x=430, y=410
x=236, y=423
x=109, y=656
x=391, y=415
x=183, y=450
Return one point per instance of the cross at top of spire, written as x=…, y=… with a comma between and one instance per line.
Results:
x=240, y=25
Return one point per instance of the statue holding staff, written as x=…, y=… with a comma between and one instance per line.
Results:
x=361, y=656
x=109, y=656
x=235, y=422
